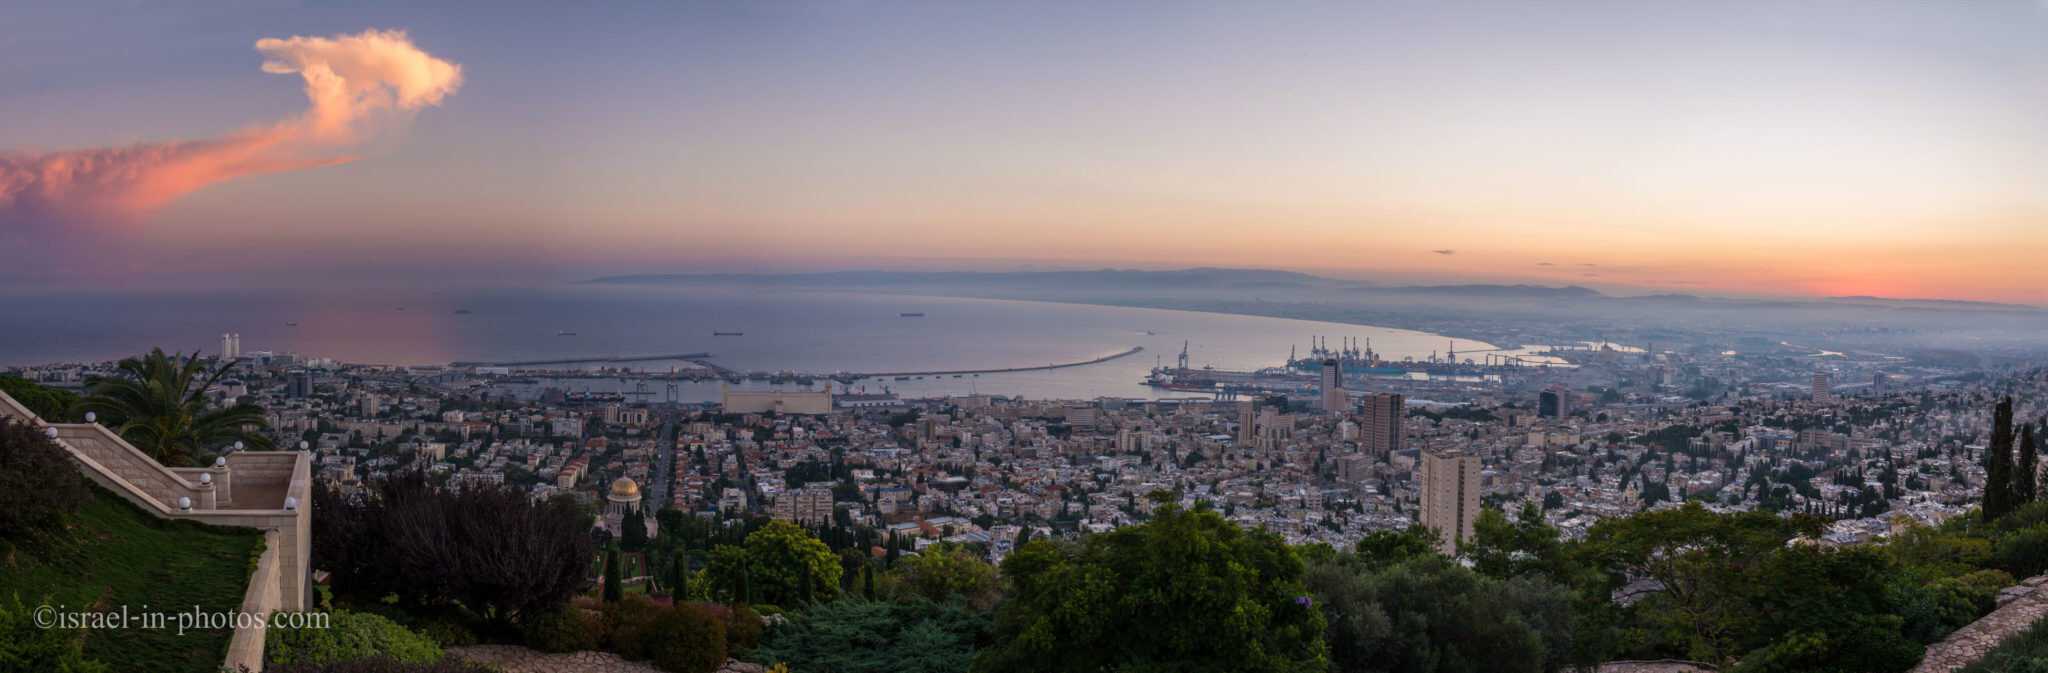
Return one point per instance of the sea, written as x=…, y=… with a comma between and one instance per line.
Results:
x=778, y=330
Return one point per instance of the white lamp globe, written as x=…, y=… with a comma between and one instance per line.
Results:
x=184, y=504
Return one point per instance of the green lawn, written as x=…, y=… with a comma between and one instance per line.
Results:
x=115, y=555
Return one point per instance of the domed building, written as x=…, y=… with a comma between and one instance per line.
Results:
x=623, y=499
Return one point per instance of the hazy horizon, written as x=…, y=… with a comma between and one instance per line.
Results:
x=1732, y=149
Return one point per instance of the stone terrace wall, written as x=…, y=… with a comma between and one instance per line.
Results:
x=2019, y=606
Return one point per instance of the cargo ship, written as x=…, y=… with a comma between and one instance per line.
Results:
x=728, y=334
x=910, y=315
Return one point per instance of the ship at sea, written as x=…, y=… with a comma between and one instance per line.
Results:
x=565, y=333
x=912, y=314
x=728, y=334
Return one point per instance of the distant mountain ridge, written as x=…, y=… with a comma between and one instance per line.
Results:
x=1907, y=302
x=1257, y=279
x=1521, y=291
x=1194, y=277
x=1100, y=279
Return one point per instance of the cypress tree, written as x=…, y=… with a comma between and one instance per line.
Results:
x=633, y=530
x=2025, y=478
x=867, y=581
x=613, y=589
x=1023, y=536
x=681, y=589
x=1998, y=488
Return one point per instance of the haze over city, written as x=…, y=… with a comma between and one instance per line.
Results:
x=1137, y=336
x=1802, y=149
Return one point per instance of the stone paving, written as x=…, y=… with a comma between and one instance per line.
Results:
x=516, y=659
x=2018, y=607
x=1655, y=666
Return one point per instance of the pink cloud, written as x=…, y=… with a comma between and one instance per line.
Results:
x=351, y=82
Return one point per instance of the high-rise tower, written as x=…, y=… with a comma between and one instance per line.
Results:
x=1449, y=484
x=1333, y=386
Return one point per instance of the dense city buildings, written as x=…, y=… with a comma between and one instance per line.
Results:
x=1602, y=433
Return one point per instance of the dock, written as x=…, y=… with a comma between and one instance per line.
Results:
x=1134, y=350
x=585, y=360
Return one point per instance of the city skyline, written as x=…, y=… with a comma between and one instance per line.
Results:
x=1887, y=149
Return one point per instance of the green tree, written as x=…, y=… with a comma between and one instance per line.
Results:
x=1526, y=546
x=944, y=572
x=782, y=558
x=1388, y=547
x=679, y=576
x=1682, y=572
x=633, y=533
x=39, y=484
x=52, y=404
x=158, y=403
x=1815, y=610
x=1998, y=468
x=1186, y=591
x=2026, y=473
x=614, y=583
x=1431, y=615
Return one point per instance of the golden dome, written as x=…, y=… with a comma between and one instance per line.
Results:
x=625, y=487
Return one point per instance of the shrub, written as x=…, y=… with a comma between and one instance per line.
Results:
x=742, y=628
x=24, y=646
x=448, y=632
x=350, y=636
x=381, y=665
x=39, y=486
x=2023, y=553
x=861, y=636
x=688, y=639
x=628, y=624
x=564, y=630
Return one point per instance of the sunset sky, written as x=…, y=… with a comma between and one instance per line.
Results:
x=1798, y=148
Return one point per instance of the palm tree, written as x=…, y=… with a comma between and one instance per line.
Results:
x=158, y=404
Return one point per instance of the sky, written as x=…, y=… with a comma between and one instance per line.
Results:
x=1810, y=148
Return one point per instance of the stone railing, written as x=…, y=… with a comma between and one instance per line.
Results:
x=265, y=490
x=245, y=649
x=116, y=458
